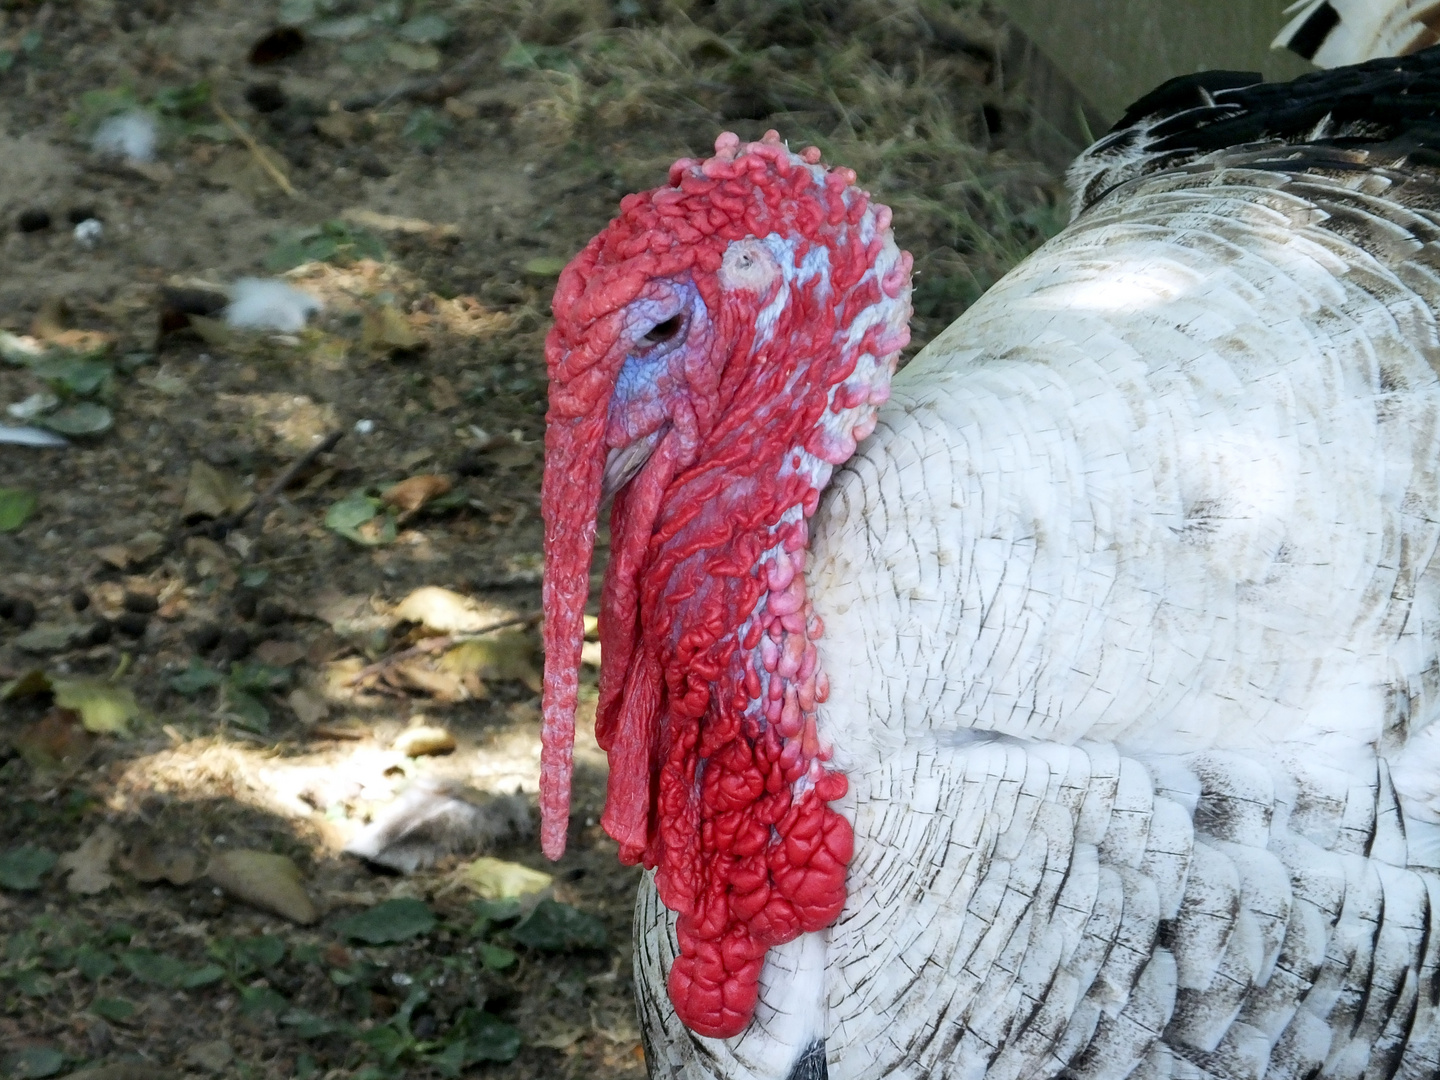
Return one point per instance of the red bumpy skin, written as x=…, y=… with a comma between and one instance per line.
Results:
x=710, y=680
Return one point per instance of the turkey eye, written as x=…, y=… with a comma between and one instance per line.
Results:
x=664, y=331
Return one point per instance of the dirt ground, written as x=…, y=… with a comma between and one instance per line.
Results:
x=215, y=667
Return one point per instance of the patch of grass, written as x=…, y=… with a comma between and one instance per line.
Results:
x=911, y=95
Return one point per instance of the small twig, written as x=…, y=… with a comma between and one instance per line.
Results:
x=432, y=88
x=440, y=644
x=233, y=521
x=281, y=482
x=256, y=150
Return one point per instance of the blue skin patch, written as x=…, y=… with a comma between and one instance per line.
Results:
x=650, y=373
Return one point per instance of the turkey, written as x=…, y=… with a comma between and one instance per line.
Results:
x=1066, y=707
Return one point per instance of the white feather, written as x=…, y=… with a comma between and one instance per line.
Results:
x=269, y=304
x=131, y=135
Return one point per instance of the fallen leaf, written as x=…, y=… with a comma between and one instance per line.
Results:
x=216, y=333
x=210, y=493
x=409, y=495
x=357, y=517
x=32, y=1063
x=22, y=868
x=555, y=927
x=211, y=1056
x=545, y=266
x=562, y=1038
x=81, y=418
x=391, y=921
x=280, y=653
x=263, y=880
x=88, y=866
x=420, y=741
x=385, y=223
x=385, y=329
x=16, y=507
x=445, y=612
x=147, y=864
x=45, y=638
x=509, y=655
x=417, y=674
x=496, y=879
x=57, y=742
x=412, y=56
x=30, y=684
x=104, y=707
x=310, y=709
x=144, y=547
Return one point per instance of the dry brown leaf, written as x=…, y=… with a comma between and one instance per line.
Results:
x=148, y=864
x=509, y=655
x=309, y=708
x=410, y=494
x=263, y=880
x=210, y=493
x=417, y=674
x=57, y=742
x=420, y=741
x=144, y=547
x=445, y=612
x=89, y=864
x=280, y=653
x=389, y=223
x=385, y=329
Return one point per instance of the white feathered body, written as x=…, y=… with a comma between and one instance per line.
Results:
x=1131, y=609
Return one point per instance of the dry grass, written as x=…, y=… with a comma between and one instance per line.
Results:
x=913, y=95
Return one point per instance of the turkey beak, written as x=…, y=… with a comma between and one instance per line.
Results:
x=623, y=462
x=569, y=505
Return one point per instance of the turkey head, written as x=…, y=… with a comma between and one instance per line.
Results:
x=717, y=351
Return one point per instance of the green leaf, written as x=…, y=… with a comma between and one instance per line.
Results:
x=94, y=963
x=258, y=678
x=203, y=975
x=387, y=1042
x=161, y=970
x=426, y=128
x=104, y=707
x=486, y=1037
x=296, y=12
x=22, y=946
x=427, y=29
x=22, y=868
x=247, y=955
x=16, y=506
x=261, y=999
x=557, y=927
x=391, y=921
x=82, y=418
x=496, y=910
x=33, y=1064
x=32, y=982
x=334, y=241
x=495, y=957
x=309, y=1026
x=347, y=515
x=98, y=105
x=182, y=101
x=117, y=1009
x=546, y=266
x=195, y=678
x=80, y=376
x=246, y=710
